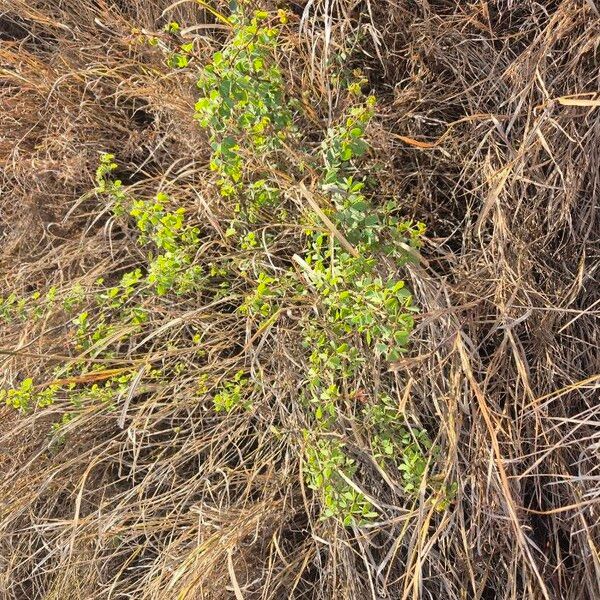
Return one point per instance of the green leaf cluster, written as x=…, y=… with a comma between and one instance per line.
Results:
x=243, y=105
x=328, y=471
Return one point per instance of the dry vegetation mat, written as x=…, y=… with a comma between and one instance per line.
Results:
x=299, y=300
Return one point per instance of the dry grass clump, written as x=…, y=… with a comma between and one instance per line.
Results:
x=487, y=129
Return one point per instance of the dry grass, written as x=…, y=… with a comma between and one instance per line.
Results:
x=489, y=130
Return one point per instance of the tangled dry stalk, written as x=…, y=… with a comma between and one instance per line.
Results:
x=488, y=128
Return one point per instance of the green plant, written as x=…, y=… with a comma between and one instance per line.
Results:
x=357, y=301
x=171, y=268
x=180, y=59
x=328, y=471
x=242, y=104
x=346, y=141
x=12, y=307
x=99, y=328
x=267, y=295
x=359, y=307
x=26, y=396
x=392, y=440
x=172, y=27
x=106, y=185
x=242, y=108
x=249, y=241
x=75, y=297
x=233, y=394
x=340, y=287
x=19, y=398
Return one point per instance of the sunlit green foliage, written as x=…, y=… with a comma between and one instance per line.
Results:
x=352, y=308
x=329, y=471
x=231, y=395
